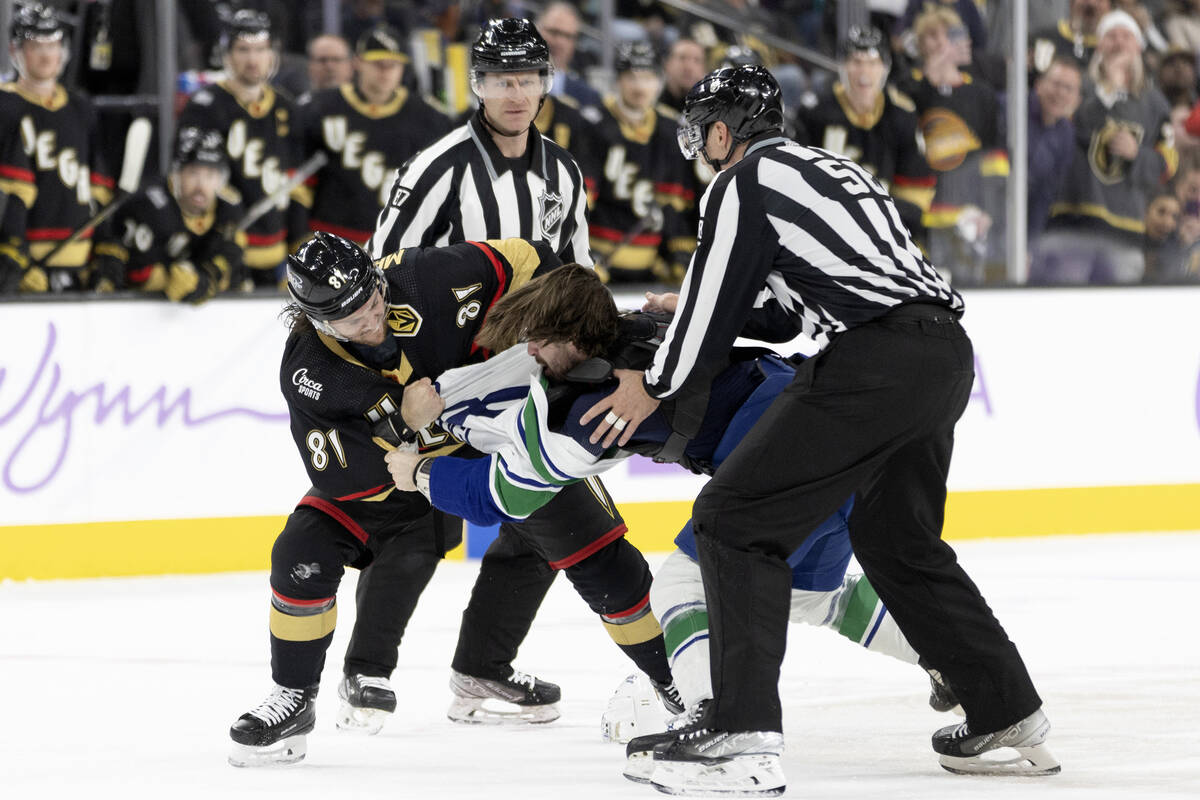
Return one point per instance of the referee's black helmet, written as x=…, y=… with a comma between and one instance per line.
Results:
x=510, y=45
x=747, y=99
x=330, y=278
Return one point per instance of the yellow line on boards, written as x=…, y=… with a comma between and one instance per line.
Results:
x=195, y=546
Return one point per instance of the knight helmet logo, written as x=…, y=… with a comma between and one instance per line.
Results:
x=403, y=320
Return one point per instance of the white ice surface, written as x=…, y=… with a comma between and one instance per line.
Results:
x=125, y=688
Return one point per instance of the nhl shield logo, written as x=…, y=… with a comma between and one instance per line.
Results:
x=551, y=204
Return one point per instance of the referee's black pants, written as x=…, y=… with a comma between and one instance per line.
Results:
x=871, y=416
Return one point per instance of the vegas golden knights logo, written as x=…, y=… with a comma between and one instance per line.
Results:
x=403, y=320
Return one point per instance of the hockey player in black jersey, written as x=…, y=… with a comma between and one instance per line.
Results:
x=368, y=128
x=257, y=122
x=361, y=331
x=50, y=164
x=642, y=223
x=175, y=236
x=867, y=120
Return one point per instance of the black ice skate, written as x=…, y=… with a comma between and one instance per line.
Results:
x=639, y=753
x=517, y=699
x=274, y=731
x=941, y=696
x=702, y=761
x=367, y=702
x=1019, y=749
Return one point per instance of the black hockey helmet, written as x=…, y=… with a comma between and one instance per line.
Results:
x=34, y=22
x=636, y=55
x=737, y=55
x=510, y=45
x=381, y=43
x=245, y=23
x=199, y=146
x=330, y=278
x=747, y=99
x=865, y=39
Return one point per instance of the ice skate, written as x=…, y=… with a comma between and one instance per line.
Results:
x=701, y=762
x=639, y=753
x=639, y=706
x=517, y=699
x=274, y=732
x=941, y=696
x=1019, y=749
x=367, y=702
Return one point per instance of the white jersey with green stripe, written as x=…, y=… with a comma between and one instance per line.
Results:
x=500, y=407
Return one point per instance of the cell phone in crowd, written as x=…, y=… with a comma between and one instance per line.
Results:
x=1191, y=208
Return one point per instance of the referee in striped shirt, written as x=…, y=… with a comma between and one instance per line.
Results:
x=799, y=240
x=496, y=176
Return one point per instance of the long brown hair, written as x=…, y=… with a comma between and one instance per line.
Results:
x=568, y=304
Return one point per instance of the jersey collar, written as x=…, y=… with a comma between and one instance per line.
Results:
x=495, y=161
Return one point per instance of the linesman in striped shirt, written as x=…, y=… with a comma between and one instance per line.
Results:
x=798, y=240
x=495, y=176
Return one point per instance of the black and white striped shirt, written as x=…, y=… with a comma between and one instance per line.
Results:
x=793, y=240
x=462, y=188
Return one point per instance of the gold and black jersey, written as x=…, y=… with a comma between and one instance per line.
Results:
x=960, y=128
x=884, y=141
x=337, y=391
x=151, y=232
x=366, y=143
x=641, y=190
x=50, y=168
x=260, y=143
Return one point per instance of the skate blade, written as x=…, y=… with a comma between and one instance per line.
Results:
x=490, y=711
x=740, y=776
x=1032, y=762
x=639, y=767
x=367, y=721
x=285, y=751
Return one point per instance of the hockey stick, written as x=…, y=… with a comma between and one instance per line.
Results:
x=302, y=173
x=137, y=143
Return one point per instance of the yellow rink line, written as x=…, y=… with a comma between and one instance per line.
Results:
x=183, y=546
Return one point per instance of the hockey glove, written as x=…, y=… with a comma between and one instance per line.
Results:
x=186, y=284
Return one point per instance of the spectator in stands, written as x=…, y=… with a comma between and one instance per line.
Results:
x=1181, y=24
x=559, y=25
x=959, y=119
x=1074, y=36
x=1177, y=76
x=1162, y=247
x=1122, y=157
x=865, y=119
x=1051, y=146
x=328, y=62
x=682, y=69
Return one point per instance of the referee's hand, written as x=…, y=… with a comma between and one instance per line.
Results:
x=623, y=410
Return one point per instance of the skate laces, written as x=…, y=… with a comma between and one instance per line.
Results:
x=278, y=705
x=368, y=682
x=523, y=679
